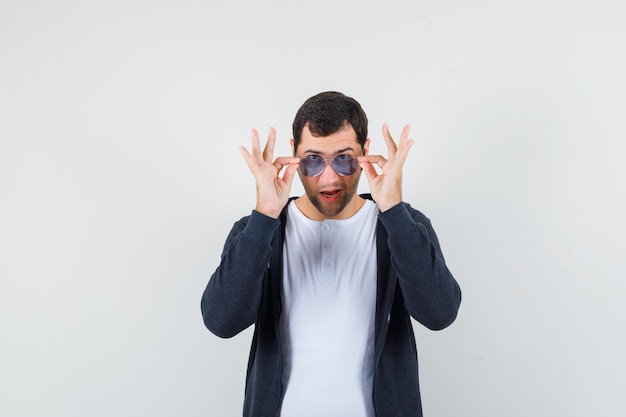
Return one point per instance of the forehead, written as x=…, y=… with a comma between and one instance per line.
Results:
x=342, y=140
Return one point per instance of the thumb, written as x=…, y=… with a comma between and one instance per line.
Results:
x=369, y=170
x=290, y=173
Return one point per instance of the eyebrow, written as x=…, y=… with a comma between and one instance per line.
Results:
x=337, y=152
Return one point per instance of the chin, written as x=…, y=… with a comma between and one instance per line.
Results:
x=330, y=210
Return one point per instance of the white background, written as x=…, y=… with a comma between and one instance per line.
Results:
x=120, y=177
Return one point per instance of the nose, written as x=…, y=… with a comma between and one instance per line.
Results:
x=328, y=175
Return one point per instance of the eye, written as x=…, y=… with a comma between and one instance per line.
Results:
x=314, y=157
x=342, y=158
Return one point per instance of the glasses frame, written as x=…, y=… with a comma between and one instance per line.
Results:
x=350, y=161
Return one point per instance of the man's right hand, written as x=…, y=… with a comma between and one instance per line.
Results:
x=272, y=191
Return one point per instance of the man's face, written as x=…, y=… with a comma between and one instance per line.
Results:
x=330, y=195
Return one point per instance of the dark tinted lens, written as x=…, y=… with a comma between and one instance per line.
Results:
x=311, y=166
x=345, y=165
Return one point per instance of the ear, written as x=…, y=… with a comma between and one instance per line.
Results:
x=292, y=142
x=366, y=147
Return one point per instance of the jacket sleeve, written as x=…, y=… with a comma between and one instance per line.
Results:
x=231, y=299
x=431, y=294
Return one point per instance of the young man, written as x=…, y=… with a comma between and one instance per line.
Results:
x=330, y=279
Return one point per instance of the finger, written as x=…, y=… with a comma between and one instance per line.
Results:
x=248, y=158
x=391, y=145
x=268, y=152
x=289, y=174
x=405, y=134
x=255, y=150
x=373, y=159
x=281, y=161
x=405, y=143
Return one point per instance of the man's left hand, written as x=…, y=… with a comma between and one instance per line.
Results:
x=386, y=187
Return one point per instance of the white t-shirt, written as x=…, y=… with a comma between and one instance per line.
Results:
x=327, y=321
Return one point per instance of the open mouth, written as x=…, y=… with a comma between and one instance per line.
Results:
x=329, y=196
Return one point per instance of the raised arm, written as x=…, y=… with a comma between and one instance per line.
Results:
x=232, y=296
x=431, y=294
x=231, y=299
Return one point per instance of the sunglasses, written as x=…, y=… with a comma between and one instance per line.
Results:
x=313, y=165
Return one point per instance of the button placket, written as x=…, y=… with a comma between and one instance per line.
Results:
x=326, y=254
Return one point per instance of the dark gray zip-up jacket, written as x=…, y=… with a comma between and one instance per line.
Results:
x=413, y=281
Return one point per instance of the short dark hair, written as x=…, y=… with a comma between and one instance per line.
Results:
x=328, y=112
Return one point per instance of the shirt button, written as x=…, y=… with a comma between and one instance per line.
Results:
x=326, y=245
x=326, y=227
x=327, y=264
